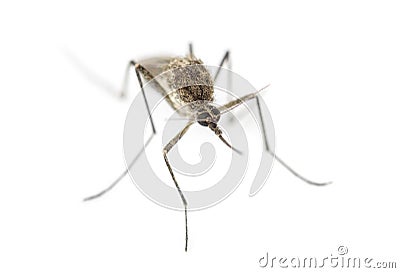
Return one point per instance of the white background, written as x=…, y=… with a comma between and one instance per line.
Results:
x=334, y=73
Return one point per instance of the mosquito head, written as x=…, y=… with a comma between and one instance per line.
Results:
x=208, y=116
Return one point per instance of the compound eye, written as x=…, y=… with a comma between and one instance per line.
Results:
x=202, y=118
x=215, y=111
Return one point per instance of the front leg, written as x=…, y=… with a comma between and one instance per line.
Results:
x=141, y=71
x=166, y=149
x=235, y=103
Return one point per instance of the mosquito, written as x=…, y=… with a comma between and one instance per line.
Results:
x=203, y=112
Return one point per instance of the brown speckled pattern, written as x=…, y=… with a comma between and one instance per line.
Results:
x=190, y=80
x=183, y=80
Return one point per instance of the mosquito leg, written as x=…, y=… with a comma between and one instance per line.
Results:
x=122, y=175
x=166, y=149
x=225, y=60
x=235, y=103
x=191, y=55
x=264, y=131
x=140, y=71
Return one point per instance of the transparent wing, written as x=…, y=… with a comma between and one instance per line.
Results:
x=155, y=65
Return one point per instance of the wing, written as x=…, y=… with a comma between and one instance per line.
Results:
x=154, y=69
x=156, y=65
x=176, y=78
